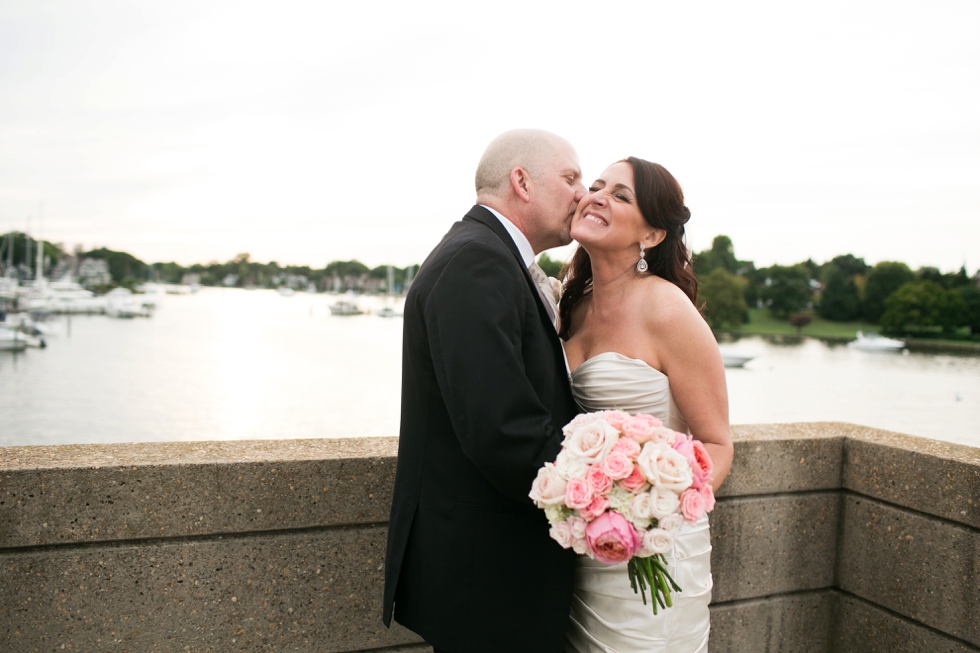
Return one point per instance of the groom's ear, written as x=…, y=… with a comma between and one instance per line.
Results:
x=519, y=182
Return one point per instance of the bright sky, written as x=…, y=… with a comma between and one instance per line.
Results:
x=305, y=132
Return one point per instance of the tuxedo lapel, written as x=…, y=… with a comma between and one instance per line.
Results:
x=489, y=220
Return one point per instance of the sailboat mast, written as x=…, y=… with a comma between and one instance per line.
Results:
x=40, y=247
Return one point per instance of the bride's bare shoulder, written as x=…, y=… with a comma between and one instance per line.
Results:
x=666, y=306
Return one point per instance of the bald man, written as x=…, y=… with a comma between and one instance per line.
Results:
x=470, y=565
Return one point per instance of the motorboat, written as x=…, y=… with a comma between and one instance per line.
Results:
x=875, y=342
x=286, y=291
x=345, y=308
x=388, y=311
x=12, y=340
x=734, y=359
x=120, y=302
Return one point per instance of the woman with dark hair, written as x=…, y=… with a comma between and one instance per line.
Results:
x=635, y=341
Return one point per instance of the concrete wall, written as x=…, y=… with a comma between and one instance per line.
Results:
x=826, y=537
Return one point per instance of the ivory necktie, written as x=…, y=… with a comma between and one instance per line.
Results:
x=546, y=291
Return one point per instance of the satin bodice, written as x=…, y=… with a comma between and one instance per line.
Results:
x=612, y=381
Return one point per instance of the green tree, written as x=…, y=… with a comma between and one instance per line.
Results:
x=787, y=289
x=920, y=305
x=724, y=298
x=550, y=266
x=124, y=268
x=721, y=255
x=839, y=300
x=971, y=299
x=884, y=279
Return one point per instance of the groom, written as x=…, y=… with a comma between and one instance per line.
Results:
x=470, y=565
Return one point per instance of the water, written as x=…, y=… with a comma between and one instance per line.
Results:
x=235, y=364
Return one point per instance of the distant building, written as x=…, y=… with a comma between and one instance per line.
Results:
x=94, y=272
x=190, y=279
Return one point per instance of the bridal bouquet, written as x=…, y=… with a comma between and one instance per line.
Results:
x=620, y=488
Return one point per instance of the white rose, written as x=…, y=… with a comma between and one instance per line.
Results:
x=663, y=502
x=581, y=547
x=562, y=534
x=664, y=467
x=580, y=420
x=642, y=505
x=569, y=467
x=663, y=434
x=592, y=441
x=548, y=488
x=657, y=540
x=577, y=524
x=671, y=522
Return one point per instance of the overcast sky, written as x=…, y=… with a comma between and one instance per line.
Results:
x=305, y=132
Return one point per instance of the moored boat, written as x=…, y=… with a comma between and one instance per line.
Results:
x=875, y=342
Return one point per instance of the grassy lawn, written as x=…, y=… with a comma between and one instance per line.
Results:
x=761, y=322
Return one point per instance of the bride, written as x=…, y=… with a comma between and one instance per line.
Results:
x=635, y=341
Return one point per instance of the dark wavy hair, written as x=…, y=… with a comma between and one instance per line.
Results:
x=661, y=202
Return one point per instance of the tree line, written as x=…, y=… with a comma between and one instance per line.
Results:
x=925, y=302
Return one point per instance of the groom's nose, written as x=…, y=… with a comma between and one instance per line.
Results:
x=579, y=192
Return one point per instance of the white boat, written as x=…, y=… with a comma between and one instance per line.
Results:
x=875, y=342
x=388, y=311
x=286, y=291
x=345, y=308
x=12, y=340
x=733, y=359
x=120, y=302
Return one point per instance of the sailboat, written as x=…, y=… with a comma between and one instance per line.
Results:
x=388, y=311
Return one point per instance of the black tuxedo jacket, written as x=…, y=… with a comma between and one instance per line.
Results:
x=470, y=565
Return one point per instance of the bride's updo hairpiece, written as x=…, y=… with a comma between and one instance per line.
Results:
x=661, y=202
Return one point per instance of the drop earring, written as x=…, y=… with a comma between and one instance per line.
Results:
x=641, y=265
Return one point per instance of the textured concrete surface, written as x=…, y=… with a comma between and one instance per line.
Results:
x=860, y=626
x=918, y=566
x=314, y=591
x=797, y=623
x=126, y=492
x=771, y=545
x=937, y=478
x=774, y=458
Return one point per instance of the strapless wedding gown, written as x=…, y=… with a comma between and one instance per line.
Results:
x=607, y=616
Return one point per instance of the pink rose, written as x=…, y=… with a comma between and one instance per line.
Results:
x=617, y=466
x=709, y=498
x=640, y=427
x=594, y=509
x=616, y=418
x=599, y=480
x=627, y=447
x=692, y=505
x=634, y=481
x=612, y=539
x=548, y=488
x=578, y=494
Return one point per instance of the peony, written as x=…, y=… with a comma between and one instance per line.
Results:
x=591, y=441
x=635, y=481
x=569, y=467
x=702, y=460
x=597, y=478
x=671, y=522
x=594, y=509
x=663, y=502
x=642, y=505
x=548, y=488
x=612, y=539
x=616, y=418
x=617, y=466
x=578, y=493
x=662, y=466
x=692, y=505
x=627, y=447
x=657, y=540
x=685, y=446
x=562, y=534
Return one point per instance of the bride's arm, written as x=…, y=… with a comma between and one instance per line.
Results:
x=689, y=356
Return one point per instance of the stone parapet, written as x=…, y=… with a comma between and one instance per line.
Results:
x=826, y=537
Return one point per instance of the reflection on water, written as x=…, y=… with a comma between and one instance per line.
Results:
x=231, y=364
